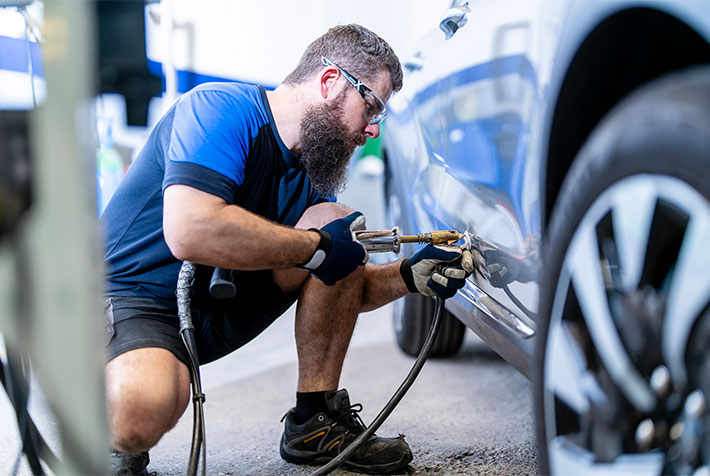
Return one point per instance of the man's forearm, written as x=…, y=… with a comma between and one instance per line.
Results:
x=208, y=231
x=247, y=241
x=383, y=284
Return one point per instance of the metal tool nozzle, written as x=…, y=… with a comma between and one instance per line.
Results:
x=379, y=241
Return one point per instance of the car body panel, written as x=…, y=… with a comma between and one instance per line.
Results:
x=467, y=145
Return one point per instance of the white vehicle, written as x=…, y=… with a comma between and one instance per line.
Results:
x=572, y=138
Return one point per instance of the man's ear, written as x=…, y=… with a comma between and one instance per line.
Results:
x=327, y=80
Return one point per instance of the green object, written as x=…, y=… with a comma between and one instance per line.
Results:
x=372, y=147
x=109, y=168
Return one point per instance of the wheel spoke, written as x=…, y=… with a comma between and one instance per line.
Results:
x=689, y=291
x=589, y=286
x=564, y=454
x=567, y=367
x=632, y=222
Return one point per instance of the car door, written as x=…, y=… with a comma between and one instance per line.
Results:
x=487, y=174
x=415, y=137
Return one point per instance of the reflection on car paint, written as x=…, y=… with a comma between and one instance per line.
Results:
x=476, y=138
x=518, y=65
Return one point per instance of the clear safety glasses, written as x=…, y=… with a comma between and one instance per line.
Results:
x=375, y=109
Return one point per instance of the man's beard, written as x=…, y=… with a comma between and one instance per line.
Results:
x=326, y=147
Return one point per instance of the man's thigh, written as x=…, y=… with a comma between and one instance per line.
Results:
x=317, y=216
x=147, y=375
x=138, y=323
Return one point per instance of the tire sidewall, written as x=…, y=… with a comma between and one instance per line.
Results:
x=660, y=130
x=412, y=319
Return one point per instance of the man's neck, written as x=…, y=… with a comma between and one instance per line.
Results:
x=287, y=108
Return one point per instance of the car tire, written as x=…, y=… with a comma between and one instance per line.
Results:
x=412, y=317
x=626, y=295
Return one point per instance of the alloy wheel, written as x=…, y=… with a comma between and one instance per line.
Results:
x=625, y=378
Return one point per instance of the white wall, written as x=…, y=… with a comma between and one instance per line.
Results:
x=257, y=41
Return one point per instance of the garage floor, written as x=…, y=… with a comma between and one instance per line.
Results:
x=471, y=414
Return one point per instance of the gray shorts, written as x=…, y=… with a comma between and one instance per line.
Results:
x=221, y=326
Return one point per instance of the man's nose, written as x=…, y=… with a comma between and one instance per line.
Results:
x=372, y=131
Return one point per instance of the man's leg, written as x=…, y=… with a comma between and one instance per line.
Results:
x=147, y=390
x=325, y=320
x=147, y=385
x=325, y=315
x=323, y=422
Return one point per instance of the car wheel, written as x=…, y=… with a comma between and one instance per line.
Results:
x=623, y=363
x=412, y=319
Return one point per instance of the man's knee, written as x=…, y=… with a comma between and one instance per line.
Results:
x=129, y=437
x=320, y=215
x=147, y=391
x=316, y=216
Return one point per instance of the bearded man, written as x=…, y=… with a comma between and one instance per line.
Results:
x=244, y=179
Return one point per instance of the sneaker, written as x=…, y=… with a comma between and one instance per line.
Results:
x=324, y=436
x=130, y=464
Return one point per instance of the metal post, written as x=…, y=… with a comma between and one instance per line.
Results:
x=63, y=332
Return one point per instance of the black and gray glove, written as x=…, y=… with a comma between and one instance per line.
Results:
x=338, y=254
x=421, y=274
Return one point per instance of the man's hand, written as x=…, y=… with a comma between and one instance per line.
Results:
x=420, y=273
x=337, y=254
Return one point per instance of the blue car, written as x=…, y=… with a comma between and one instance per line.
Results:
x=572, y=140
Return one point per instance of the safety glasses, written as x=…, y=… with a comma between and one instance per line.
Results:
x=375, y=110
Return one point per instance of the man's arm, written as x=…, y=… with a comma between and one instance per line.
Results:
x=383, y=284
x=203, y=228
x=434, y=270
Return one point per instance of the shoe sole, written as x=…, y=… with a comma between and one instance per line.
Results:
x=316, y=459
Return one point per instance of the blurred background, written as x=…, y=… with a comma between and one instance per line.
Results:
x=150, y=52
x=81, y=86
x=188, y=43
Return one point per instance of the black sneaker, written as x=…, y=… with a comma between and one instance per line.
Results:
x=324, y=436
x=130, y=464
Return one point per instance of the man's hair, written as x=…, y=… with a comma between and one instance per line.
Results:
x=354, y=48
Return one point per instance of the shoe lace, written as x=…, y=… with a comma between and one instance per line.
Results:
x=351, y=418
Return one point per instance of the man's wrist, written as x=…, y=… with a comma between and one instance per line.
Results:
x=320, y=252
x=405, y=270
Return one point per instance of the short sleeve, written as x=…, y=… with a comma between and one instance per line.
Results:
x=211, y=129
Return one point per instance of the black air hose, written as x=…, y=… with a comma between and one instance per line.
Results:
x=186, y=277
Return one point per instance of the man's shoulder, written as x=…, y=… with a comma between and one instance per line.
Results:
x=226, y=92
x=237, y=104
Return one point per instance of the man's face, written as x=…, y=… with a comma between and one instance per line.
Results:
x=357, y=111
x=330, y=132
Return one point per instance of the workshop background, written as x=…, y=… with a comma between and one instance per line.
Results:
x=467, y=415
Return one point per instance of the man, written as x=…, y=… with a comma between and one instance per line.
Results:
x=239, y=178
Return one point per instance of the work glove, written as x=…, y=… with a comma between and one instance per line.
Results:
x=421, y=274
x=337, y=254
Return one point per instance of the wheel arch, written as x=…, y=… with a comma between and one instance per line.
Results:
x=633, y=46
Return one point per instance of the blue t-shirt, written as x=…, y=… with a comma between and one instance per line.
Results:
x=219, y=138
